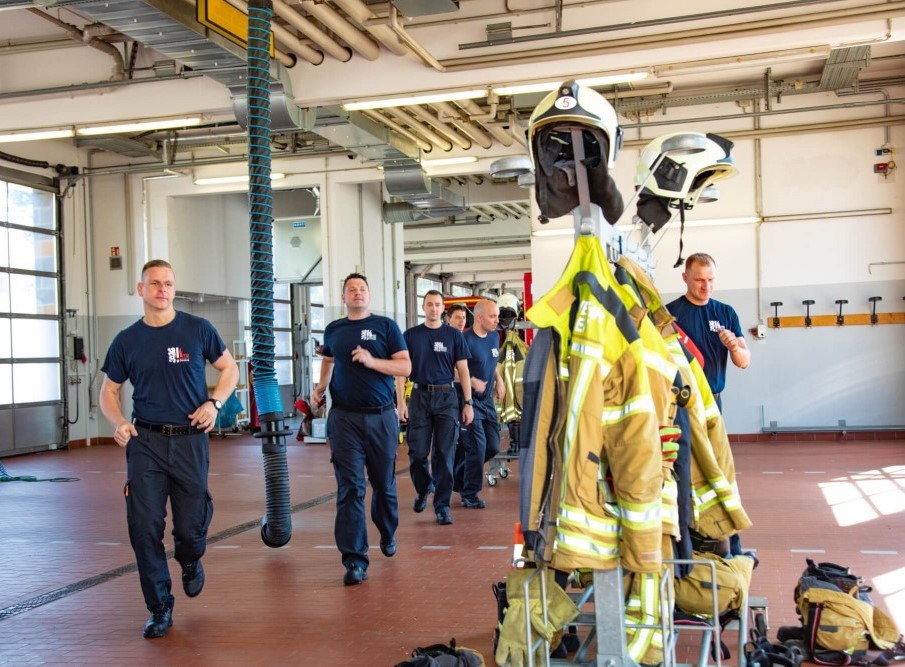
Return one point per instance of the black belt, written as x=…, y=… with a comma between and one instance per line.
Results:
x=365, y=411
x=168, y=429
x=432, y=387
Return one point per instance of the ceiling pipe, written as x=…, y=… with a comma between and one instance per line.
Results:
x=415, y=47
x=475, y=113
x=441, y=127
x=411, y=136
x=517, y=212
x=296, y=46
x=361, y=43
x=119, y=65
x=361, y=14
x=776, y=112
x=448, y=113
x=310, y=31
x=683, y=37
x=426, y=132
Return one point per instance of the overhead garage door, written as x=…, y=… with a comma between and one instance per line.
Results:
x=31, y=348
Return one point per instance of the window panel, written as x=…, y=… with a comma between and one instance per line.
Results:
x=6, y=384
x=282, y=341
x=33, y=295
x=4, y=292
x=281, y=291
x=36, y=382
x=283, y=370
x=31, y=208
x=6, y=338
x=316, y=318
x=282, y=315
x=4, y=246
x=32, y=251
x=316, y=294
x=35, y=338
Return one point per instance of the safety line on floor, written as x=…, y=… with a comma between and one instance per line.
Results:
x=90, y=582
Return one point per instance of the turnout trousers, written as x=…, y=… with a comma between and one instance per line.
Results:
x=432, y=432
x=363, y=443
x=480, y=442
x=160, y=467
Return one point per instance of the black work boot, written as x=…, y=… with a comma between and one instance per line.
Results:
x=192, y=578
x=160, y=620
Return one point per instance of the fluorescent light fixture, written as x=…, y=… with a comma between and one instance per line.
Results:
x=554, y=232
x=443, y=161
x=411, y=100
x=35, y=135
x=591, y=81
x=139, y=126
x=240, y=178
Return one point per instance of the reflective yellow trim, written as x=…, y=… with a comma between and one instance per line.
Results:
x=579, y=517
x=637, y=405
x=663, y=366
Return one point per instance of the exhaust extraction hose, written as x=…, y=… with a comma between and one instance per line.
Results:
x=276, y=526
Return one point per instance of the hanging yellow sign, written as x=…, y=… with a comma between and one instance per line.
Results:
x=228, y=21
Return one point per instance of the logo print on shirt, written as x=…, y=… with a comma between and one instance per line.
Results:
x=176, y=355
x=439, y=346
x=495, y=352
x=367, y=334
x=715, y=326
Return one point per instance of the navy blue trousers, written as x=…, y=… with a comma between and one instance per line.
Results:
x=480, y=442
x=361, y=443
x=432, y=433
x=160, y=467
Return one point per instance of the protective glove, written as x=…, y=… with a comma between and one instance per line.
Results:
x=669, y=443
x=512, y=647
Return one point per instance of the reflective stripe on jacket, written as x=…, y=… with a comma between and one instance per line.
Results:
x=610, y=427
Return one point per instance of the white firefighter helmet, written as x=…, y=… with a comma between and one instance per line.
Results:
x=681, y=178
x=508, y=305
x=507, y=300
x=572, y=103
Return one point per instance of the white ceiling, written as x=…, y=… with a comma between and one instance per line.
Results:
x=698, y=55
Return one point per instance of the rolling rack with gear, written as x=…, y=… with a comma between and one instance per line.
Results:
x=601, y=608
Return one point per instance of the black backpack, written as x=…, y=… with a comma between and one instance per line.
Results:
x=443, y=655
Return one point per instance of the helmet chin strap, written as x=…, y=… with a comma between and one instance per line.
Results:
x=681, y=260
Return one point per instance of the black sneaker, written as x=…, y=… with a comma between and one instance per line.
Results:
x=443, y=517
x=159, y=622
x=473, y=503
x=193, y=578
x=354, y=575
x=388, y=548
x=420, y=503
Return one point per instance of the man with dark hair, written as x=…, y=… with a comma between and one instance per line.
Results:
x=457, y=316
x=481, y=439
x=163, y=356
x=712, y=325
x=437, y=351
x=362, y=353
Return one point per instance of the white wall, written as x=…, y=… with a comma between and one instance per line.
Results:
x=798, y=377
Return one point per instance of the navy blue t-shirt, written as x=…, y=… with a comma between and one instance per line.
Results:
x=165, y=366
x=352, y=384
x=485, y=353
x=434, y=353
x=702, y=324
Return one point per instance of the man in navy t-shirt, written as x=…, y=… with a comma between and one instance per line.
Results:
x=362, y=353
x=163, y=356
x=437, y=351
x=713, y=326
x=481, y=439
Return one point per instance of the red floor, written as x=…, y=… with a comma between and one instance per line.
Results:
x=843, y=502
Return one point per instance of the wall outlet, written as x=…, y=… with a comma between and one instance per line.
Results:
x=761, y=331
